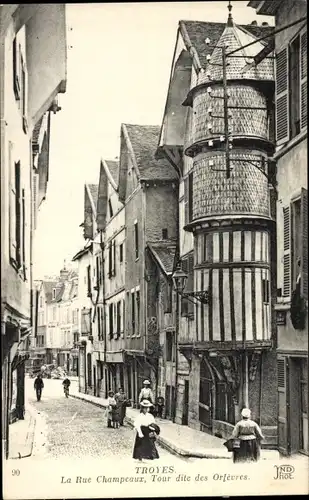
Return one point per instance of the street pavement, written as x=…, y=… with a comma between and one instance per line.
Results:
x=68, y=427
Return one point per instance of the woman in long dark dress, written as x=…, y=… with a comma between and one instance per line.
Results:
x=146, y=429
x=249, y=435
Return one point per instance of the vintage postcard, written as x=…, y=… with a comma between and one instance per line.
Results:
x=154, y=271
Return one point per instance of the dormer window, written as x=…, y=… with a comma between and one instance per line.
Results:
x=111, y=213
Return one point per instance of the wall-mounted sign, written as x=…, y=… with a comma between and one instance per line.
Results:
x=281, y=318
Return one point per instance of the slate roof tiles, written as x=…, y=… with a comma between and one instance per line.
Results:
x=144, y=140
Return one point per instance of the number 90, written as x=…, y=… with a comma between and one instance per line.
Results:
x=15, y=472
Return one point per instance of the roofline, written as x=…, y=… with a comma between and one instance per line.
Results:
x=259, y=5
x=158, y=260
x=168, y=88
x=94, y=208
x=130, y=147
x=189, y=45
x=109, y=175
x=80, y=253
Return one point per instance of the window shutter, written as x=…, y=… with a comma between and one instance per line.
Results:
x=303, y=80
x=190, y=284
x=190, y=197
x=286, y=252
x=23, y=234
x=114, y=257
x=186, y=199
x=304, y=254
x=282, y=400
x=184, y=300
x=282, y=108
x=18, y=213
x=110, y=260
x=12, y=206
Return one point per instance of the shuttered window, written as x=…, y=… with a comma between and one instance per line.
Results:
x=110, y=260
x=281, y=373
x=304, y=246
x=286, y=252
x=303, y=79
x=282, y=118
x=114, y=258
x=187, y=304
x=16, y=69
x=111, y=319
x=23, y=234
x=186, y=199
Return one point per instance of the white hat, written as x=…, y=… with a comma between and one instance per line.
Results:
x=145, y=403
x=246, y=413
x=146, y=382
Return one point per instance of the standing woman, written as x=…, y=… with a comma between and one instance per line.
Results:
x=122, y=403
x=249, y=435
x=147, y=394
x=111, y=404
x=146, y=429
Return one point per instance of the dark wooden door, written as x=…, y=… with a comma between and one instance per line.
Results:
x=185, y=414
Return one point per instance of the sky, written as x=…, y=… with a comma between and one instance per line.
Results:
x=118, y=67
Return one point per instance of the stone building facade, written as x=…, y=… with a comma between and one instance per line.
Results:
x=230, y=349
x=292, y=221
x=32, y=75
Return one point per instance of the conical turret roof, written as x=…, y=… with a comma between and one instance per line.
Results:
x=242, y=67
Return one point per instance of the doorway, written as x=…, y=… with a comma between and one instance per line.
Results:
x=185, y=412
x=206, y=397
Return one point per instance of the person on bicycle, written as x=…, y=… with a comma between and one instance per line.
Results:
x=66, y=384
x=38, y=386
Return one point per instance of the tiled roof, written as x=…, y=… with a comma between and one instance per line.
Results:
x=48, y=289
x=94, y=189
x=164, y=253
x=113, y=167
x=198, y=31
x=144, y=140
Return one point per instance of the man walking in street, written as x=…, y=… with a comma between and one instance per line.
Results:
x=38, y=386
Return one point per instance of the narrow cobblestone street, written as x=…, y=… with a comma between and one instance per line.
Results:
x=70, y=427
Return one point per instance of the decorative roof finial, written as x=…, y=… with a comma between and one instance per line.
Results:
x=230, y=18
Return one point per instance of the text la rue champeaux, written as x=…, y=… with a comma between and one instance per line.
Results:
x=153, y=474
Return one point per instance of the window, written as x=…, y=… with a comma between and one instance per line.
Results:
x=118, y=320
x=89, y=281
x=98, y=272
x=291, y=89
x=127, y=316
x=16, y=78
x=112, y=259
x=295, y=245
x=294, y=87
x=138, y=312
x=187, y=306
x=75, y=338
x=23, y=95
x=17, y=219
x=188, y=198
x=100, y=323
x=167, y=296
x=133, y=312
x=169, y=346
x=121, y=252
x=123, y=315
x=136, y=239
x=265, y=290
x=111, y=319
x=111, y=213
x=164, y=234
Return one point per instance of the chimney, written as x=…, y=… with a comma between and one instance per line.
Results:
x=265, y=23
x=254, y=23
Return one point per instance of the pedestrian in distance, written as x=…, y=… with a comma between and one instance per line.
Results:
x=38, y=386
x=147, y=394
x=160, y=406
x=247, y=437
x=146, y=432
x=122, y=402
x=111, y=410
x=66, y=384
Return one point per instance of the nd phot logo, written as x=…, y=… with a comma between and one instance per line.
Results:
x=284, y=471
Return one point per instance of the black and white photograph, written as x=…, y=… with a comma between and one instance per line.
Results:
x=154, y=249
